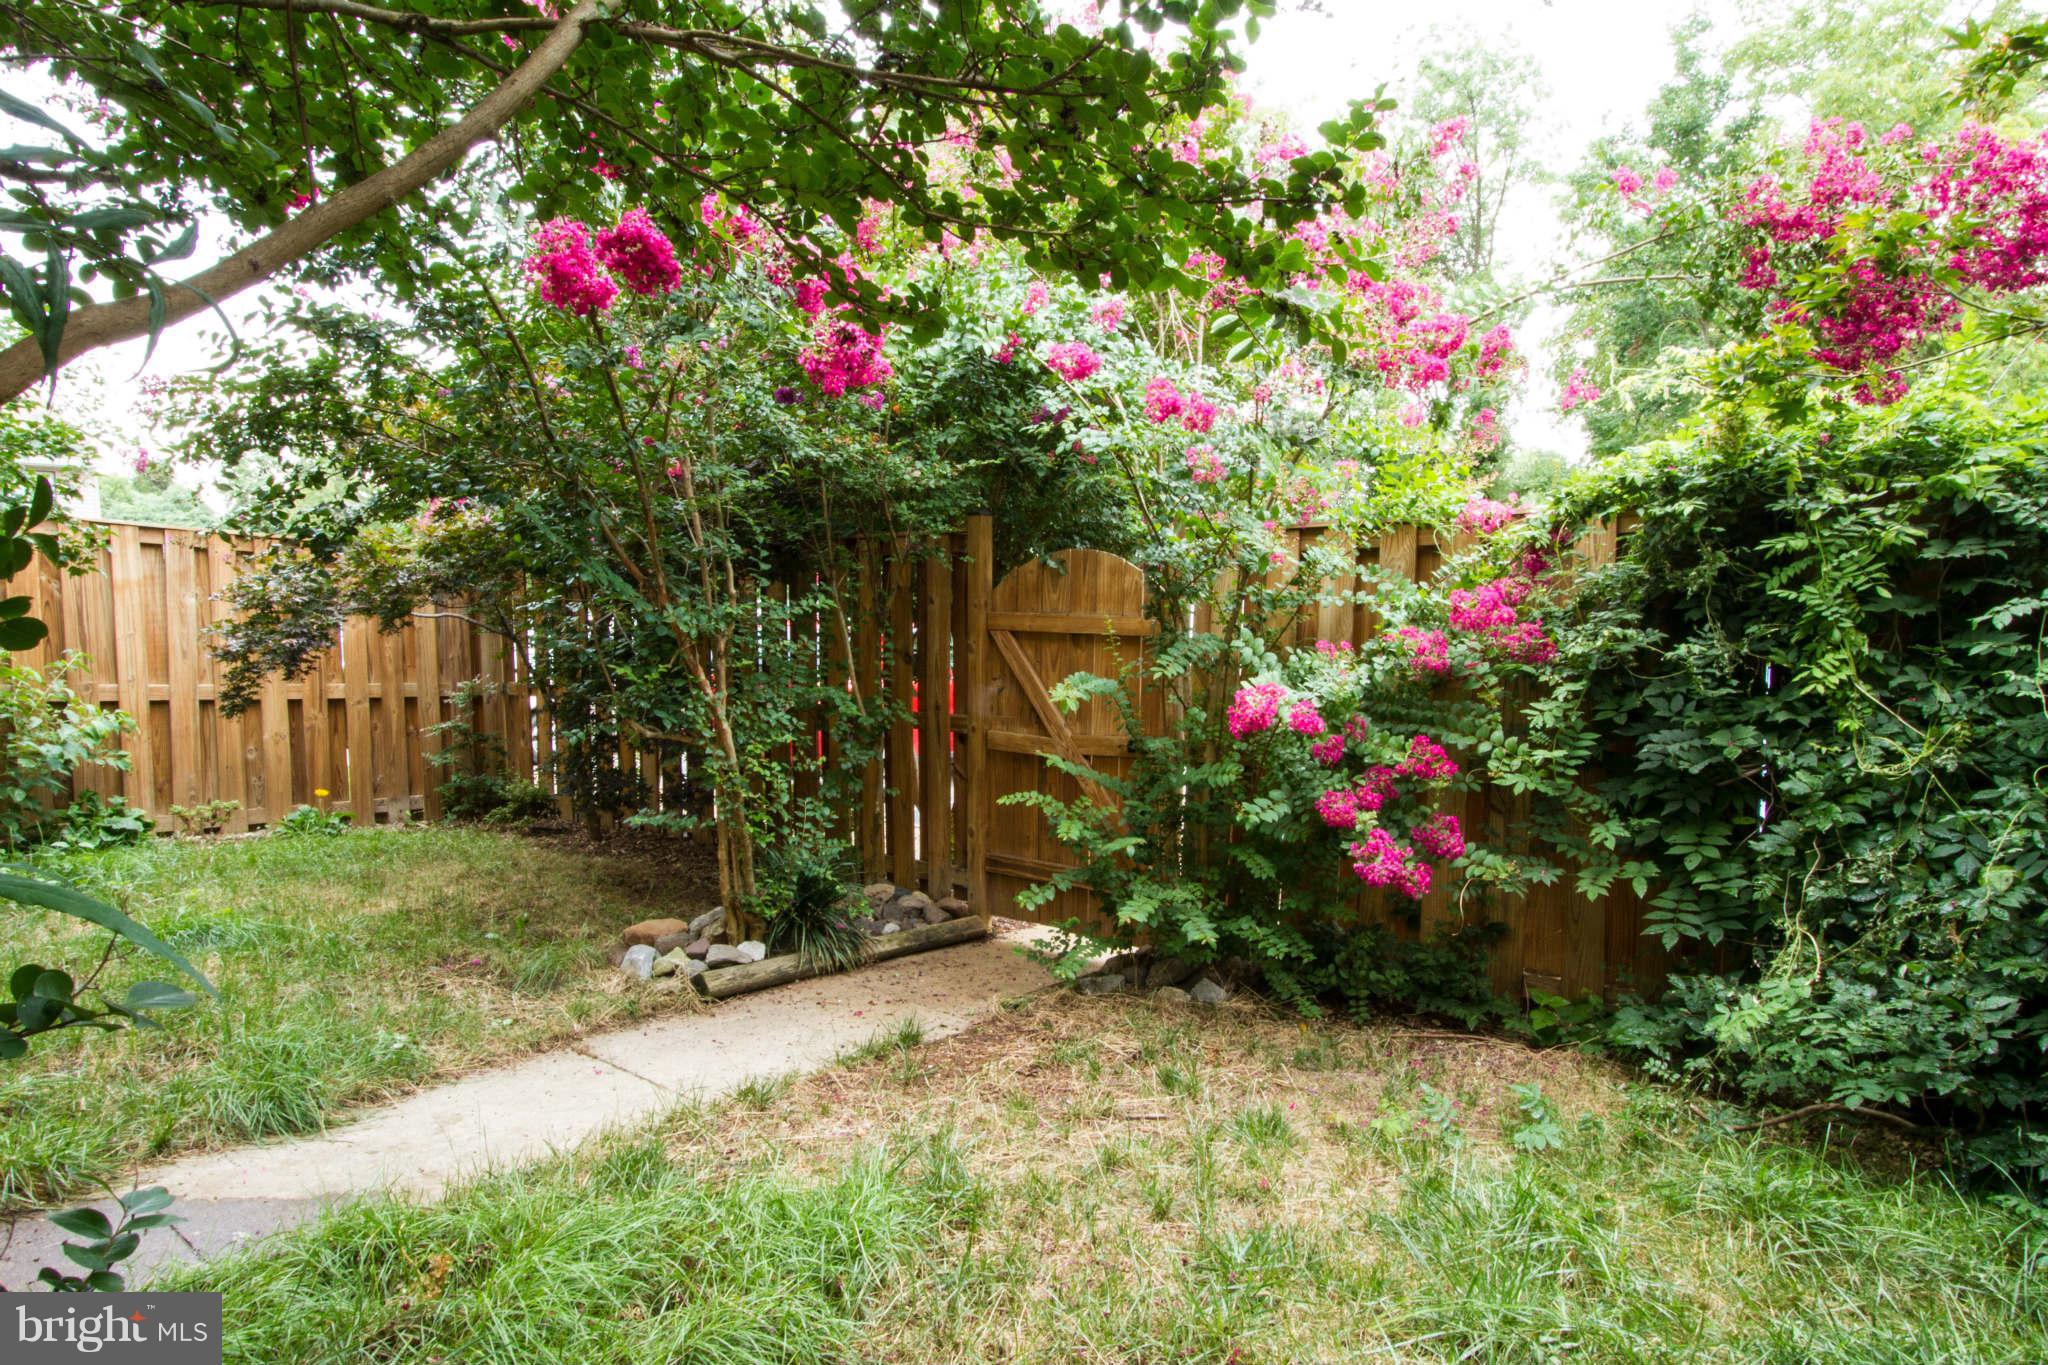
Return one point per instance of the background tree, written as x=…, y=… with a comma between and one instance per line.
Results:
x=1497, y=93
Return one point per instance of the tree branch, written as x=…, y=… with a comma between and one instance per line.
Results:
x=103, y=324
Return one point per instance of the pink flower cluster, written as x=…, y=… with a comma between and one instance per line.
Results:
x=1492, y=610
x=1983, y=199
x=1427, y=760
x=1428, y=650
x=1440, y=836
x=1108, y=314
x=1496, y=352
x=1579, y=390
x=1072, y=360
x=576, y=274
x=1254, y=709
x=1379, y=859
x=1304, y=719
x=847, y=357
x=1329, y=750
x=1339, y=807
x=565, y=269
x=1164, y=401
x=1204, y=464
x=1488, y=607
x=639, y=255
x=1484, y=516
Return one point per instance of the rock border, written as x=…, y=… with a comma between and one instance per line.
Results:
x=741, y=979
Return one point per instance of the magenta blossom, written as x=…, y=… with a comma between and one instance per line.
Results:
x=1304, y=719
x=1073, y=361
x=846, y=358
x=567, y=272
x=1197, y=413
x=1428, y=650
x=1440, y=836
x=637, y=253
x=1329, y=750
x=1427, y=760
x=1254, y=709
x=1162, y=399
x=1339, y=808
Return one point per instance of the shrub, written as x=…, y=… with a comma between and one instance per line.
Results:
x=495, y=799
x=47, y=731
x=1832, y=745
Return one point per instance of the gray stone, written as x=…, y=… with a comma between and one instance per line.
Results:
x=698, y=948
x=1100, y=983
x=668, y=943
x=915, y=903
x=890, y=926
x=668, y=964
x=711, y=919
x=690, y=969
x=638, y=961
x=1168, y=971
x=953, y=906
x=724, y=955
x=1170, y=995
x=753, y=950
x=878, y=893
x=936, y=914
x=1207, y=992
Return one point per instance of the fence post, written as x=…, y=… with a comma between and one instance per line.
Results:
x=902, y=729
x=981, y=584
x=355, y=692
x=935, y=757
x=131, y=663
x=867, y=646
x=426, y=634
x=230, y=759
x=181, y=623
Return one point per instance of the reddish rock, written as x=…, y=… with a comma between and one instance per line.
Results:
x=647, y=931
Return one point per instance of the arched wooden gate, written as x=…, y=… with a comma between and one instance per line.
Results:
x=1083, y=611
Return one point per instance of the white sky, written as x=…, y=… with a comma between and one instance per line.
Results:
x=1601, y=61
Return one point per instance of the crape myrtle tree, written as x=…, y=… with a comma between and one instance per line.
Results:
x=327, y=132
x=616, y=442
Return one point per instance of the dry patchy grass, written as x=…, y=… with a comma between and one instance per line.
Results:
x=1108, y=1181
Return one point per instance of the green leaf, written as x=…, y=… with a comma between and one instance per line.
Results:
x=22, y=633
x=150, y=1199
x=29, y=113
x=157, y=995
x=67, y=900
x=84, y=1223
x=55, y=985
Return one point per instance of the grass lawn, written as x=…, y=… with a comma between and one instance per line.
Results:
x=350, y=969
x=1110, y=1181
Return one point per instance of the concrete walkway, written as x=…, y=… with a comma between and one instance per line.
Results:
x=551, y=1101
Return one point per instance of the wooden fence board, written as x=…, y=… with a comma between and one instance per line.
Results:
x=350, y=726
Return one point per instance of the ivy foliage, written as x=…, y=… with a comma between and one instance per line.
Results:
x=1831, y=739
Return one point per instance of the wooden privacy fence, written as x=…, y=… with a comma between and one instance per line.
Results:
x=970, y=660
x=357, y=726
